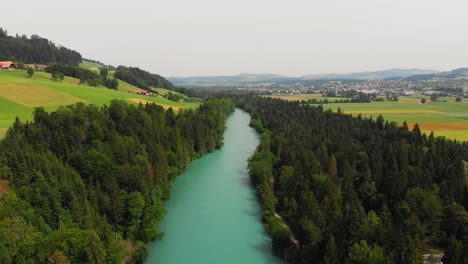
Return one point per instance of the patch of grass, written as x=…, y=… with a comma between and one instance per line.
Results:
x=300, y=97
x=124, y=86
x=447, y=118
x=20, y=94
x=163, y=92
x=8, y=111
x=461, y=135
x=34, y=95
x=90, y=66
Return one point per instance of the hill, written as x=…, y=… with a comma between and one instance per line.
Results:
x=141, y=78
x=240, y=78
x=279, y=79
x=93, y=66
x=35, y=50
x=19, y=95
x=461, y=73
x=371, y=75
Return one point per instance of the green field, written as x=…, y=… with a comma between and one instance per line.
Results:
x=446, y=117
x=90, y=65
x=163, y=92
x=19, y=95
x=301, y=97
x=124, y=86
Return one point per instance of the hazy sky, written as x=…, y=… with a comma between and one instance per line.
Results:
x=218, y=37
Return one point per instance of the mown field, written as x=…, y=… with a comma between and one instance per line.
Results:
x=19, y=95
x=302, y=97
x=446, y=117
x=90, y=66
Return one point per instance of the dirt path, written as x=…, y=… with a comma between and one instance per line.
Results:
x=283, y=223
x=433, y=258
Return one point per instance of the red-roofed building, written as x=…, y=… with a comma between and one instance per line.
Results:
x=7, y=65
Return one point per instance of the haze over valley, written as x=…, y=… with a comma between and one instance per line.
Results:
x=260, y=132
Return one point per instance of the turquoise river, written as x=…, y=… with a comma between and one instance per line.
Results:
x=213, y=215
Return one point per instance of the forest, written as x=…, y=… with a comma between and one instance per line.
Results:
x=35, y=49
x=354, y=189
x=141, y=78
x=86, y=184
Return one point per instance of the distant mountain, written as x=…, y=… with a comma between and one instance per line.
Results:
x=273, y=78
x=461, y=73
x=240, y=78
x=371, y=75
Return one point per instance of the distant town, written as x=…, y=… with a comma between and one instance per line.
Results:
x=446, y=88
x=362, y=87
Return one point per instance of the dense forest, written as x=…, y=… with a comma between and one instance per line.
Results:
x=356, y=190
x=86, y=184
x=141, y=78
x=35, y=49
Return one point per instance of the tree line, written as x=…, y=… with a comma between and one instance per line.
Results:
x=85, y=76
x=88, y=184
x=141, y=78
x=356, y=190
x=35, y=49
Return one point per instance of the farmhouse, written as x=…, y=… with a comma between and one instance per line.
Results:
x=145, y=93
x=7, y=65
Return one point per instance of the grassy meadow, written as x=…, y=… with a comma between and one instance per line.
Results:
x=445, y=117
x=90, y=65
x=19, y=95
x=301, y=97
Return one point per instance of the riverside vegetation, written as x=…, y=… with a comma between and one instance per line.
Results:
x=86, y=184
x=355, y=190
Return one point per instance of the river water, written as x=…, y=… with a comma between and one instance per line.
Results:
x=213, y=215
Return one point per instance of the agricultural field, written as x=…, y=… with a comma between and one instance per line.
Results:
x=163, y=92
x=445, y=117
x=301, y=97
x=124, y=86
x=90, y=65
x=19, y=95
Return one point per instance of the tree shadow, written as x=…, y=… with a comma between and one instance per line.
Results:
x=254, y=213
x=265, y=249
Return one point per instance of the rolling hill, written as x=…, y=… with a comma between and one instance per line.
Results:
x=19, y=95
x=35, y=49
x=371, y=75
x=461, y=73
x=213, y=80
x=273, y=78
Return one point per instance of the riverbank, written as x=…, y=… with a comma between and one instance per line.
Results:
x=213, y=214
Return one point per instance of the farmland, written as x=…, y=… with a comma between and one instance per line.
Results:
x=445, y=117
x=19, y=95
x=299, y=97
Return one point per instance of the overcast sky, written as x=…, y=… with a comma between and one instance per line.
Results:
x=218, y=37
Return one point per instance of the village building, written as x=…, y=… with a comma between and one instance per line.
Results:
x=7, y=65
x=147, y=93
x=409, y=93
